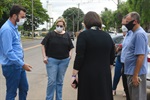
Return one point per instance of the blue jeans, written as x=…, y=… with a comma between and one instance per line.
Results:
x=56, y=70
x=118, y=73
x=15, y=78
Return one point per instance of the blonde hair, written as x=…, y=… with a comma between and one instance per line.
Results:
x=61, y=20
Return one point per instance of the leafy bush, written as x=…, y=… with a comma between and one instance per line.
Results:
x=43, y=34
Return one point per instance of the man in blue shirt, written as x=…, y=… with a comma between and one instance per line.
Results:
x=136, y=58
x=125, y=43
x=11, y=55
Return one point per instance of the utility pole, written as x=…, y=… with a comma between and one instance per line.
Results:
x=118, y=3
x=51, y=22
x=47, y=13
x=32, y=21
x=78, y=17
x=73, y=23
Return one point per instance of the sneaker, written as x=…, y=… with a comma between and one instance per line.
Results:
x=114, y=92
x=124, y=95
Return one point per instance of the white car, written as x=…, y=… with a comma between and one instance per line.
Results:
x=148, y=73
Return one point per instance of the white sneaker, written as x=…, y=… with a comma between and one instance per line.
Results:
x=124, y=95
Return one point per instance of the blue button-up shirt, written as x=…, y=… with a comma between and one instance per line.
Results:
x=125, y=44
x=138, y=45
x=10, y=45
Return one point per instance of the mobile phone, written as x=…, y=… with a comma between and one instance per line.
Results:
x=130, y=83
x=76, y=83
x=139, y=79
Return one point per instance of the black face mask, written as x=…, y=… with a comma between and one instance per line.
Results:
x=130, y=25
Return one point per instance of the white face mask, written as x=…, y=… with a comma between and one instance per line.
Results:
x=124, y=29
x=59, y=29
x=21, y=21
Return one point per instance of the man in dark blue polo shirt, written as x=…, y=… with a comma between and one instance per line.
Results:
x=11, y=55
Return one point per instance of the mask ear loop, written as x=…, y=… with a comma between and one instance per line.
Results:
x=17, y=20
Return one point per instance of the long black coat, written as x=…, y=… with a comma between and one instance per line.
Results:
x=94, y=55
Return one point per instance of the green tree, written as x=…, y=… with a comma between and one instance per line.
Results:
x=107, y=18
x=4, y=7
x=71, y=17
x=142, y=7
x=119, y=14
x=39, y=12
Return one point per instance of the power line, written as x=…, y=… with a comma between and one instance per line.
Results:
x=115, y=2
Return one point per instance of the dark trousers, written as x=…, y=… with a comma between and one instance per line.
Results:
x=15, y=79
x=125, y=85
x=117, y=73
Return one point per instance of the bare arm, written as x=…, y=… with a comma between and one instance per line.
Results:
x=70, y=53
x=44, y=55
x=139, y=63
x=118, y=49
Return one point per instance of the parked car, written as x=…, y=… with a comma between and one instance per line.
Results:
x=118, y=40
x=148, y=60
x=148, y=72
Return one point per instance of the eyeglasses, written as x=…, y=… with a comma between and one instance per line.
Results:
x=59, y=26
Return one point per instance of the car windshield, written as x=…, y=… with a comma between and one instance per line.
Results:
x=117, y=38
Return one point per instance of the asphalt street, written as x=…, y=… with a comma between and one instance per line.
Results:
x=37, y=78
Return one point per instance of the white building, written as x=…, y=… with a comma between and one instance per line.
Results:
x=49, y=8
x=49, y=12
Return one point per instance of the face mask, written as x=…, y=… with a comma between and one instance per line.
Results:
x=124, y=29
x=130, y=25
x=21, y=21
x=59, y=29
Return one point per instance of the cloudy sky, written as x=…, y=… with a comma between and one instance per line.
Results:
x=59, y=6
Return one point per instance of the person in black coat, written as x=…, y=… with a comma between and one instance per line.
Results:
x=95, y=52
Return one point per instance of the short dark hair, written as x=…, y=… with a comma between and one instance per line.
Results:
x=92, y=19
x=16, y=10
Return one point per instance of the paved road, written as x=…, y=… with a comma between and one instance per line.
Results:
x=31, y=42
x=38, y=77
